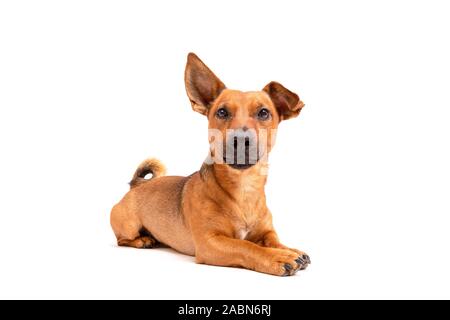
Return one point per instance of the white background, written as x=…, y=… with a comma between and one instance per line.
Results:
x=360, y=181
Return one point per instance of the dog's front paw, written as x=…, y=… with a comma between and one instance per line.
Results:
x=303, y=261
x=286, y=262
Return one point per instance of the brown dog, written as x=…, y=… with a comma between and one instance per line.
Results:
x=218, y=214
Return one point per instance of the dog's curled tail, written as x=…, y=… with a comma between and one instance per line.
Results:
x=150, y=166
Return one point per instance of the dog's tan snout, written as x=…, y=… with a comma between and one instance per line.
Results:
x=241, y=146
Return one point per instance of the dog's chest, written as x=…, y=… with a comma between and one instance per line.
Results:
x=242, y=233
x=248, y=206
x=246, y=219
x=248, y=214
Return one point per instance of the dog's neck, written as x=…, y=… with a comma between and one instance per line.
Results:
x=238, y=184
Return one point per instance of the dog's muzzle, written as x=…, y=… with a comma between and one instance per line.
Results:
x=241, y=149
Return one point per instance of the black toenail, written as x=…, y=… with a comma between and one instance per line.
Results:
x=287, y=267
x=300, y=261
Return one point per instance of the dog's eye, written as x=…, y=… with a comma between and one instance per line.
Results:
x=264, y=114
x=222, y=113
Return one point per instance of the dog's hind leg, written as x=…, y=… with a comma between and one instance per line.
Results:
x=143, y=241
x=128, y=229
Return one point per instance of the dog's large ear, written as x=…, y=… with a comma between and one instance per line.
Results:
x=288, y=103
x=202, y=85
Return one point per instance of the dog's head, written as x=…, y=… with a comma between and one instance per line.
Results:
x=242, y=125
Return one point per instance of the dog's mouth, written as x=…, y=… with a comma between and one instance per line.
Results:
x=241, y=159
x=241, y=166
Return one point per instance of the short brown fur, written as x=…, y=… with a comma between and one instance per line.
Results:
x=218, y=214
